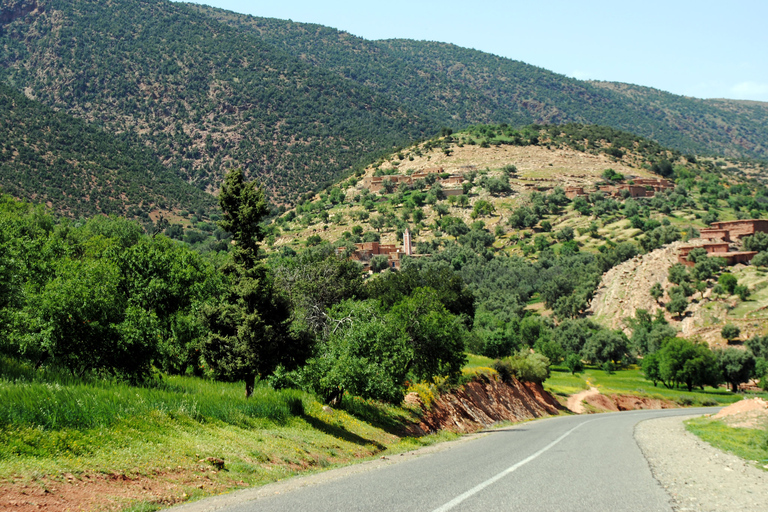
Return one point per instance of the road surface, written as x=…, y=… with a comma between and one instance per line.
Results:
x=571, y=463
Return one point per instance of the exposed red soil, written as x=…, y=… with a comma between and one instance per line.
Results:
x=480, y=404
x=101, y=491
x=747, y=413
x=627, y=403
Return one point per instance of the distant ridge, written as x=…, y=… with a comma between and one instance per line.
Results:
x=460, y=86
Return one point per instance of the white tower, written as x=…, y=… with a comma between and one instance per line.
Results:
x=407, y=249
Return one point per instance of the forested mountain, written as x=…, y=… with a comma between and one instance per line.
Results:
x=52, y=157
x=459, y=86
x=203, y=96
x=297, y=105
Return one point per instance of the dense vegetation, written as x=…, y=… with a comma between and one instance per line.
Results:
x=79, y=170
x=458, y=86
x=201, y=95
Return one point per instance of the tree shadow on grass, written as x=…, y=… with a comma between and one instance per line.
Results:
x=378, y=417
x=342, y=433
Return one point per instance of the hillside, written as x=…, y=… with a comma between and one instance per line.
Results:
x=458, y=86
x=80, y=171
x=202, y=96
x=491, y=200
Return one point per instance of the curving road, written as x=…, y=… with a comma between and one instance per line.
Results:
x=573, y=463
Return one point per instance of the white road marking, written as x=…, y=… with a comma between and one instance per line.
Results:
x=458, y=499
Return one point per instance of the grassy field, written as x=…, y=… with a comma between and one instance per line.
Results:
x=54, y=427
x=750, y=444
x=632, y=382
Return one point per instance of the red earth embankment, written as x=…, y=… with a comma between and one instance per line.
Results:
x=627, y=403
x=482, y=403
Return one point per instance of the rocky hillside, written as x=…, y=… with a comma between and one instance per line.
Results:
x=202, y=96
x=458, y=86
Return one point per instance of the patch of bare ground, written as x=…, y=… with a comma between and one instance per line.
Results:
x=563, y=167
x=626, y=287
x=697, y=476
x=603, y=403
x=575, y=402
x=747, y=413
x=104, y=491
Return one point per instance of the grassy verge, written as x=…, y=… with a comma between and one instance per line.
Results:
x=748, y=443
x=54, y=428
x=632, y=382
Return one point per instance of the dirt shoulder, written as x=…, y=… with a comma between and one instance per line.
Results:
x=696, y=475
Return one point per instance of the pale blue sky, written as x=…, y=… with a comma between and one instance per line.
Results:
x=706, y=49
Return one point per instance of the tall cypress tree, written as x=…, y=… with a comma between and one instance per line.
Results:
x=248, y=328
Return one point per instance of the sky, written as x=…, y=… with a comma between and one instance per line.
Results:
x=704, y=49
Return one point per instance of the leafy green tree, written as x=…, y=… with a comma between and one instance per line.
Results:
x=314, y=281
x=678, y=274
x=608, y=346
x=565, y=234
x=551, y=349
x=728, y=282
x=757, y=242
x=758, y=345
x=482, y=208
x=730, y=332
x=379, y=263
x=441, y=210
x=736, y=366
x=742, y=291
x=573, y=363
x=760, y=259
x=656, y=291
x=529, y=366
x=677, y=305
x=683, y=362
x=651, y=367
x=248, y=328
x=361, y=353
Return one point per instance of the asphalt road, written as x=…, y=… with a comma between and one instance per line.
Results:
x=573, y=463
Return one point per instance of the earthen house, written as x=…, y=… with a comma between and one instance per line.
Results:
x=367, y=250
x=733, y=230
x=376, y=183
x=641, y=187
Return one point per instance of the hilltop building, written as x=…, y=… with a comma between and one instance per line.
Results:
x=731, y=231
x=367, y=250
x=376, y=183
x=640, y=187
x=720, y=235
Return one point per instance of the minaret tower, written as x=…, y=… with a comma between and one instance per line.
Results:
x=407, y=248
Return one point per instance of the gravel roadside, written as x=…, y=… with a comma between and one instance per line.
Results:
x=697, y=476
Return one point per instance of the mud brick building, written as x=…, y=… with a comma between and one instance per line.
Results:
x=733, y=230
x=720, y=235
x=367, y=250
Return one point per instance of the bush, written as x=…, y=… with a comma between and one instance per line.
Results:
x=730, y=332
x=574, y=364
x=528, y=366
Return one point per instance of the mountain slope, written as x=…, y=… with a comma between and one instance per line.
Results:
x=51, y=157
x=203, y=96
x=460, y=86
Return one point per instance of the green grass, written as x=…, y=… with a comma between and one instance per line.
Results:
x=748, y=443
x=631, y=382
x=52, y=424
x=475, y=361
x=55, y=401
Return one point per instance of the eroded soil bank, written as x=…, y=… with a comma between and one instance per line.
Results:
x=481, y=403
